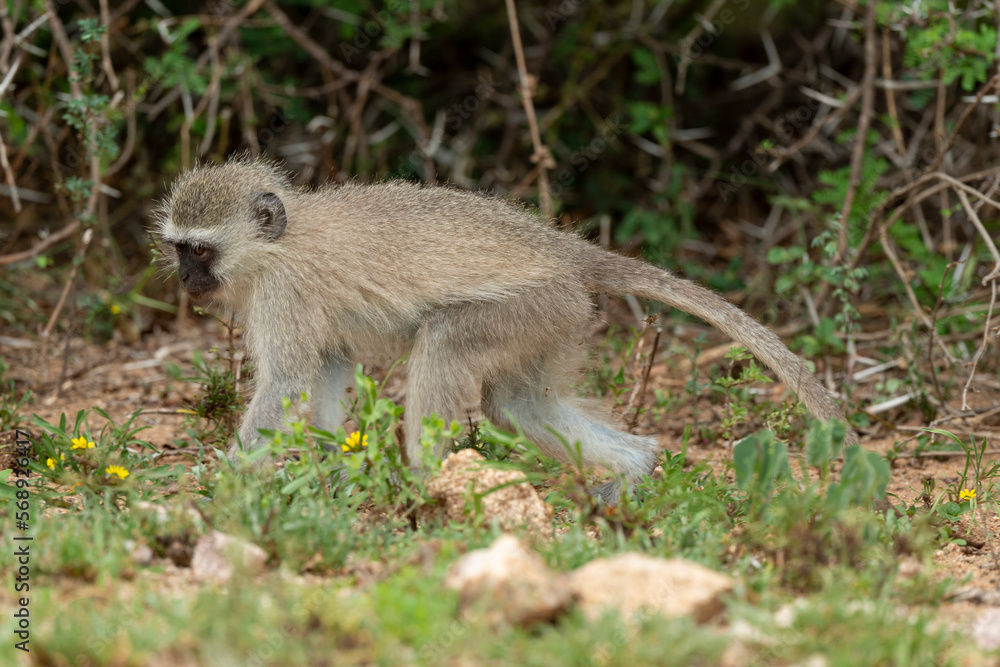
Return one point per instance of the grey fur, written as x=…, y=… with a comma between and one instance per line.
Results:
x=491, y=302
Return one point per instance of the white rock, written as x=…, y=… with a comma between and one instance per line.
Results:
x=217, y=555
x=514, y=506
x=986, y=630
x=640, y=585
x=508, y=584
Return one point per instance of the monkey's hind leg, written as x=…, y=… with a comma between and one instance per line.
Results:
x=330, y=392
x=439, y=380
x=539, y=409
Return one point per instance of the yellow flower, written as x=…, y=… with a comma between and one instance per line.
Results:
x=116, y=470
x=355, y=441
x=115, y=309
x=967, y=494
x=51, y=463
x=81, y=443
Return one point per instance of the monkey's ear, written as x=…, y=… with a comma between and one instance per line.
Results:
x=269, y=214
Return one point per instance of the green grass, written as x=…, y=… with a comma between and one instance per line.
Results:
x=352, y=578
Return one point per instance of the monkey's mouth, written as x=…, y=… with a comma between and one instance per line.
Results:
x=199, y=294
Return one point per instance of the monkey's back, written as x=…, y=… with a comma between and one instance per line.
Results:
x=434, y=243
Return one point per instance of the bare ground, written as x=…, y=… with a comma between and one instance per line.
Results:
x=121, y=378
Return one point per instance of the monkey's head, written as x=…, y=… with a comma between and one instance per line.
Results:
x=218, y=221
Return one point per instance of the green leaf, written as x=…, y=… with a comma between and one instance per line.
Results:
x=824, y=442
x=647, y=70
x=759, y=461
x=863, y=479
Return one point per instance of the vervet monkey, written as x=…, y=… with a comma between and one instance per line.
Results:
x=475, y=288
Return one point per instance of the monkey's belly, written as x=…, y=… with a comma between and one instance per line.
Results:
x=375, y=347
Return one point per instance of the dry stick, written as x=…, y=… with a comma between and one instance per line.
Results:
x=689, y=40
x=982, y=347
x=945, y=454
x=737, y=140
x=66, y=344
x=9, y=76
x=815, y=129
x=8, y=34
x=645, y=379
x=233, y=23
x=109, y=69
x=598, y=76
x=407, y=104
x=861, y=138
x=644, y=323
x=354, y=113
x=542, y=156
x=890, y=96
x=66, y=51
x=9, y=175
x=978, y=224
x=934, y=314
x=416, y=36
x=213, y=104
x=901, y=272
x=42, y=245
x=126, y=152
x=913, y=200
x=211, y=94
x=990, y=85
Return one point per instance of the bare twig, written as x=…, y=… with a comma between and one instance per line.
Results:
x=66, y=51
x=409, y=105
x=688, y=42
x=944, y=454
x=982, y=347
x=9, y=76
x=815, y=129
x=978, y=224
x=130, y=129
x=42, y=245
x=890, y=96
x=990, y=85
x=645, y=379
x=890, y=252
x=861, y=138
x=9, y=176
x=109, y=69
x=930, y=348
x=542, y=156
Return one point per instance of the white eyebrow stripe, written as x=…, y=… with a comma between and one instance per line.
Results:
x=171, y=233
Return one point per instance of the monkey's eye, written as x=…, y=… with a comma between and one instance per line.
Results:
x=198, y=250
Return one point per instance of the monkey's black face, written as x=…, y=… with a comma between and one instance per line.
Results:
x=194, y=267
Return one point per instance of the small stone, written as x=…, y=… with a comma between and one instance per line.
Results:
x=514, y=506
x=910, y=567
x=508, y=584
x=640, y=585
x=217, y=556
x=141, y=554
x=986, y=630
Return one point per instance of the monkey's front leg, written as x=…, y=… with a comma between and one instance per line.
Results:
x=265, y=410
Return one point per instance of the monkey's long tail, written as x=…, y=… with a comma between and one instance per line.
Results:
x=625, y=275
